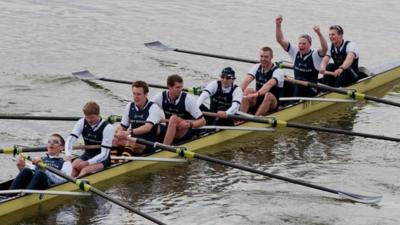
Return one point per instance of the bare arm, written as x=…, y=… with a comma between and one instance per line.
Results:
x=279, y=34
x=267, y=87
x=247, y=80
x=324, y=45
x=324, y=63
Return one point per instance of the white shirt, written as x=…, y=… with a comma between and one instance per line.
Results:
x=153, y=118
x=212, y=88
x=190, y=104
x=106, y=143
x=278, y=74
x=293, y=50
x=351, y=47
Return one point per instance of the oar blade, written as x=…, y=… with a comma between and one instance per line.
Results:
x=85, y=75
x=158, y=46
x=360, y=198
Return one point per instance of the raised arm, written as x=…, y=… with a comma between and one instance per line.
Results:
x=279, y=34
x=324, y=45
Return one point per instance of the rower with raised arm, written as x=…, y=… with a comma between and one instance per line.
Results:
x=142, y=117
x=306, y=60
x=345, y=56
x=32, y=177
x=225, y=97
x=180, y=109
x=95, y=131
x=269, y=84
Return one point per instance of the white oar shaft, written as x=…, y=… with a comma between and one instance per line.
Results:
x=316, y=99
x=148, y=159
x=29, y=191
x=237, y=128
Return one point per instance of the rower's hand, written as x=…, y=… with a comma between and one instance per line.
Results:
x=279, y=20
x=317, y=29
x=36, y=160
x=81, y=165
x=68, y=158
x=21, y=163
x=222, y=114
x=251, y=95
x=337, y=72
x=322, y=70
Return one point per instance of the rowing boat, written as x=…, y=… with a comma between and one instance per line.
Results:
x=378, y=77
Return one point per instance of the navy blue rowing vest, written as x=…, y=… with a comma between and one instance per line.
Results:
x=91, y=137
x=178, y=109
x=339, y=56
x=221, y=101
x=138, y=118
x=262, y=78
x=304, y=68
x=53, y=162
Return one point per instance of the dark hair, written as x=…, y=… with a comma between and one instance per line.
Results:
x=59, y=137
x=141, y=84
x=307, y=37
x=268, y=49
x=174, y=78
x=338, y=28
x=91, y=108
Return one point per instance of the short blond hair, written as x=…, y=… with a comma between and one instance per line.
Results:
x=91, y=108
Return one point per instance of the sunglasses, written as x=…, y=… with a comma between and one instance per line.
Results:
x=53, y=142
x=223, y=76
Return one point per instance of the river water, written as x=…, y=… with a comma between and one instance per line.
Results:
x=43, y=42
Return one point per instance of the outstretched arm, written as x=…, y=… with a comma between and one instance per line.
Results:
x=324, y=45
x=279, y=34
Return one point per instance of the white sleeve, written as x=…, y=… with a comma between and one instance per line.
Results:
x=207, y=92
x=254, y=69
x=352, y=47
x=292, y=51
x=328, y=53
x=106, y=143
x=154, y=114
x=158, y=99
x=236, y=101
x=279, y=75
x=73, y=137
x=125, y=117
x=192, y=107
x=317, y=59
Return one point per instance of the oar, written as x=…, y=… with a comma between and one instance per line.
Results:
x=87, y=187
x=181, y=151
x=317, y=99
x=153, y=159
x=86, y=75
x=273, y=122
x=19, y=149
x=111, y=119
x=349, y=92
x=43, y=192
x=237, y=128
x=158, y=46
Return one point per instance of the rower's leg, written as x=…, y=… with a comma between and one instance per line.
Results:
x=22, y=180
x=268, y=103
x=171, y=129
x=75, y=170
x=40, y=181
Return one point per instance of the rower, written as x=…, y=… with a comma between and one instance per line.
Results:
x=32, y=177
x=142, y=117
x=95, y=131
x=345, y=56
x=306, y=60
x=225, y=98
x=180, y=109
x=269, y=84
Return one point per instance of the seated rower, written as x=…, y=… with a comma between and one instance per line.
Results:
x=306, y=61
x=142, y=118
x=32, y=177
x=269, y=84
x=225, y=98
x=180, y=109
x=345, y=56
x=95, y=131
